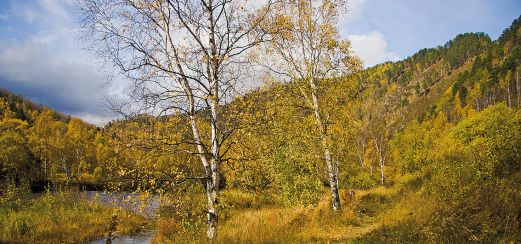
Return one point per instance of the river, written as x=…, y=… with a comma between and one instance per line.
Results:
x=131, y=201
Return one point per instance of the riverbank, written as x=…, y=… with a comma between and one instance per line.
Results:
x=61, y=217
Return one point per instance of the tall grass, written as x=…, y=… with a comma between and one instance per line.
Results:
x=246, y=218
x=298, y=224
x=400, y=213
x=60, y=217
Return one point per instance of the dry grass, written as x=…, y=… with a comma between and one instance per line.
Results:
x=265, y=225
x=60, y=218
x=251, y=221
x=303, y=224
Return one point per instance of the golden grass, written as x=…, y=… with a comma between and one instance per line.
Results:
x=302, y=224
x=60, y=218
x=252, y=221
x=274, y=225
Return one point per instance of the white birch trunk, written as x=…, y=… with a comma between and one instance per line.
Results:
x=332, y=167
x=45, y=175
x=361, y=151
x=518, y=91
x=209, y=164
x=508, y=94
x=212, y=183
x=378, y=145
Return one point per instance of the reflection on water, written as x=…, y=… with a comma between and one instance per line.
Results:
x=144, y=206
x=131, y=201
x=143, y=237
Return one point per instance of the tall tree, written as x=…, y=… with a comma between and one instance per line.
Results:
x=306, y=50
x=81, y=137
x=518, y=90
x=183, y=56
x=14, y=152
x=60, y=149
x=504, y=83
x=49, y=142
x=39, y=138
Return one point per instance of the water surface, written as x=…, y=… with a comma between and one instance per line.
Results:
x=147, y=207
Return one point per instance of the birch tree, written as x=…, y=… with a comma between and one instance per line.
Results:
x=38, y=140
x=504, y=83
x=517, y=89
x=379, y=142
x=306, y=50
x=180, y=56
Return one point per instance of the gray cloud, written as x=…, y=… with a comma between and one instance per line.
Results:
x=47, y=65
x=70, y=87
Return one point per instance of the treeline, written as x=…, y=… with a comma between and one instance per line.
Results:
x=435, y=81
x=40, y=145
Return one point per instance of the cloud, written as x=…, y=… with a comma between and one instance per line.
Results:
x=70, y=87
x=29, y=15
x=43, y=39
x=354, y=10
x=95, y=118
x=54, y=7
x=371, y=48
x=43, y=62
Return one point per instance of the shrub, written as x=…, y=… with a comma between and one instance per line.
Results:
x=363, y=180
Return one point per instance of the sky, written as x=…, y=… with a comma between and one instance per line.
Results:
x=42, y=59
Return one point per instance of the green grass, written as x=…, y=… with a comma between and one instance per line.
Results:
x=60, y=218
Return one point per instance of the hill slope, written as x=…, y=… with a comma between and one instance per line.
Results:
x=38, y=144
x=428, y=147
x=448, y=122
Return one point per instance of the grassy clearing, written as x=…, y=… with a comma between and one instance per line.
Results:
x=299, y=224
x=60, y=218
x=360, y=219
x=402, y=213
x=252, y=220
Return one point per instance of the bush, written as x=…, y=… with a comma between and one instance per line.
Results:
x=22, y=225
x=295, y=179
x=98, y=173
x=478, y=172
x=363, y=180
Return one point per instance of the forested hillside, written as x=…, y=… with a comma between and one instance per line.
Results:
x=40, y=145
x=428, y=150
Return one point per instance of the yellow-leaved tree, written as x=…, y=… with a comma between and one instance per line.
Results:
x=307, y=51
x=183, y=57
